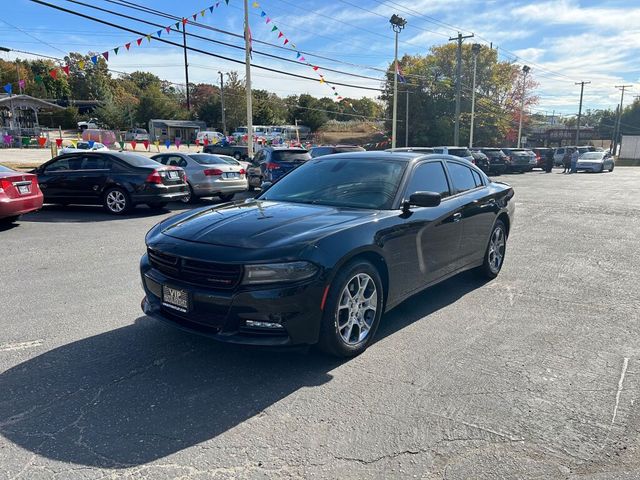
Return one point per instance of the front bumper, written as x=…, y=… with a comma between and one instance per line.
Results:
x=590, y=167
x=223, y=315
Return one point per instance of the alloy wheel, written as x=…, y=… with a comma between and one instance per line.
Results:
x=496, y=249
x=356, y=311
x=116, y=201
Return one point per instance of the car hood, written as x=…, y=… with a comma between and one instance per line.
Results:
x=262, y=224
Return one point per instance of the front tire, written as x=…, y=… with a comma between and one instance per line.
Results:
x=495, y=252
x=116, y=201
x=352, y=311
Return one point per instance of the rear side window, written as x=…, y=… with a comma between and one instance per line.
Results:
x=64, y=164
x=429, y=177
x=477, y=178
x=94, y=163
x=462, y=177
x=289, y=156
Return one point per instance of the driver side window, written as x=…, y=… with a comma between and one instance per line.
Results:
x=429, y=177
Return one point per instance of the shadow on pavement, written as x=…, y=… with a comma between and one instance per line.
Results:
x=139, y=393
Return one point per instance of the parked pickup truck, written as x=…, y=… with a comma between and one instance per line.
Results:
x=239, y=152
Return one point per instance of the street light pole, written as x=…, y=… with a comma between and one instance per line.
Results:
x=456, y=128
x=475, y=49
x=224, y=120
x=406, y=121
x=526, y=70
x=397, y=23
x=616, y=134
x=247, y=51
x=582, y=84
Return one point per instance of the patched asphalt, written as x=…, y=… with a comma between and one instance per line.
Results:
x=532, y=375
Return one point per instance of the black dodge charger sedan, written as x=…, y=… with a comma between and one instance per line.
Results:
x=322, y=253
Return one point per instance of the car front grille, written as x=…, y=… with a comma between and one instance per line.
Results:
x=197, y=272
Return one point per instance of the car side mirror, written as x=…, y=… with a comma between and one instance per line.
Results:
x=422, y=199
x=265, y=186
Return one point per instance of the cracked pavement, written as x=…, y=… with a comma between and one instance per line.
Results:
x=533, y=375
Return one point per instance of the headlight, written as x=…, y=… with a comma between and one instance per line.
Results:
x=278, y=272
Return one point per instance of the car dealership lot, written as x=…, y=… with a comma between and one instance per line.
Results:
x=532, y=375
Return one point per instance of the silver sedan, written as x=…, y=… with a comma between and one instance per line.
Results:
x=207, y=175
x=595, y=162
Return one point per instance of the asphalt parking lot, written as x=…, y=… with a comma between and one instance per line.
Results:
x=532, y=375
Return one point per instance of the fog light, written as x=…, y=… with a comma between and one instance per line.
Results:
x=256, y=324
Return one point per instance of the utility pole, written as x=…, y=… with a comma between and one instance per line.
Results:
x=475, y=49
x=582, y=84
x=224, y=120
x=459, y=39
x=525, y=70
x=406, y=120
x=397, y=23
x=247, y=62
x=617, y=129
x=186, y=63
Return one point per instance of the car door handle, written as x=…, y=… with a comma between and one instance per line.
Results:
x=457, y=217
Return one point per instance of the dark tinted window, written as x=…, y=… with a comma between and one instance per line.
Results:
x=429, y=177
x=319, y=151
x=359, y=183
x=461, y=176
x=94, y=163
x=69, y=163
x=172, y=161
x=352, y=148
x=477, y=178
x=290, y=155
x=206, y=159
x=136, y=160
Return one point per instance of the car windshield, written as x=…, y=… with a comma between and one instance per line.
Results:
x=356, y=182
x=591, y=156
x=290, y=155
x=207, y=159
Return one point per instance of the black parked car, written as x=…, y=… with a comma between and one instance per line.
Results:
x=274, y=162
x=239, y=152
x=497, y=160
x=480, y=160
x=116, y=180
x=322, y=253
x=329, y=149
x=519, y=159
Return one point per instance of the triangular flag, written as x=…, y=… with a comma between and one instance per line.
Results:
x=159, y=32
x=280, y=35
x=21, y=83
x=226, y=1
x=332, y=87
x=217, y=4
x=321, y=80
x=168, y=29
x=211, y=9
x=115, y=50
x=293, y=45
x=302, y=59
x=315, y=68
x=94, y=59
x=255, y=5
x=38, y=78
x=157, y=144
x=167, y=143
x=286, y=40
x=184, y=20
x=202, y=13
x=121, y=143
x=127, y=46
x=146, y=144
x=74, y=143
x=133, y=144
x=206, y=141
x=148, y=38
x=274, y=28
x=263, y=14
x=66, y=69
x=42, y=141
x=53, y=73
x=139, y=41
x=91, y=143
x=105, y=55
x=8, y=88
x=81, y=64
x=297, y=54
x=268, y=19
x=195, y=15
x=178, y=143
x=335, y=93
x=58, y=142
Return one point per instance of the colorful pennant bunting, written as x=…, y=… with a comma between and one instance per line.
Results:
x=66, y=69
x=105, y=55
x=8, y=88
x=53, y=73
x=127, y=46
x=94, y=59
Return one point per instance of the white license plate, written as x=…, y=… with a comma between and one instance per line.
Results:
x=231, y=175
x=173, y=175
x=24, y=189
x=175, y=298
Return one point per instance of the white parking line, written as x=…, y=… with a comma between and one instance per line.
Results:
x=10, y=347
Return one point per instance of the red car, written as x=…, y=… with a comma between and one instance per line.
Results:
x=19, y=194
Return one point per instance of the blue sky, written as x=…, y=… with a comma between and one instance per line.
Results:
x=564, y=41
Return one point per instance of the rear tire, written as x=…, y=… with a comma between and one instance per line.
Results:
x=352, y=310
x=495, y=252
x=116, y=201
x=226, y=197
x=191, y=197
